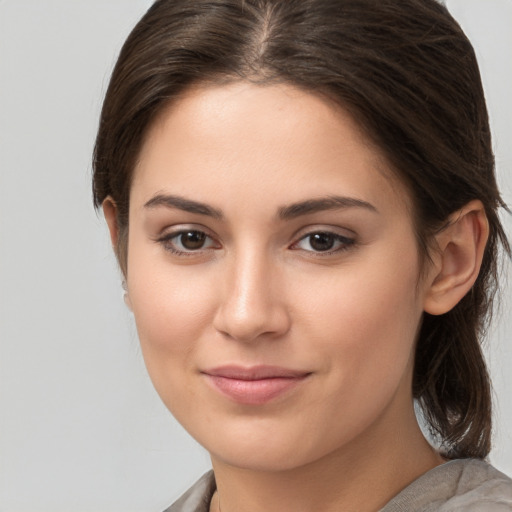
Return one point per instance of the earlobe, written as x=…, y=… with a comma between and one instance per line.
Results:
x=457, y=264
x=110, y=212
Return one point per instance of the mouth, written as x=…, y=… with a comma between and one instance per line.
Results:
x=256, y=385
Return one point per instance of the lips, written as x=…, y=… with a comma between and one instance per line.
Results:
x=255, y=385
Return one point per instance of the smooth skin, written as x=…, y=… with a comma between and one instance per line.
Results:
x=265, y=229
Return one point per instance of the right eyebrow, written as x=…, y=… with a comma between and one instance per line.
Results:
x=187, y=205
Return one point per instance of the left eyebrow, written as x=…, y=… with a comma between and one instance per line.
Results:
x=321, y=204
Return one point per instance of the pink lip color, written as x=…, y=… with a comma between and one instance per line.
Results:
x=256, y=385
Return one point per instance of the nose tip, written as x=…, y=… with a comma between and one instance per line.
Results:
x=248, y=324
x=252, y=307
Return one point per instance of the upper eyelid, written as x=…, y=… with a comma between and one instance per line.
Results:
x=170, y=231
x=335, y=235
x=333, y=230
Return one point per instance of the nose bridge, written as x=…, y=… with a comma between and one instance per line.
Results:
x=252, y=303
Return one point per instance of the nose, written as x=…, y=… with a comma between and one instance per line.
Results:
x=252, y=301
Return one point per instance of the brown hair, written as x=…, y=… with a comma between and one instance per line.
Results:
x=407, y=73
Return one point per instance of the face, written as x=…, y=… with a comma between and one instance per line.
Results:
x=273, y=276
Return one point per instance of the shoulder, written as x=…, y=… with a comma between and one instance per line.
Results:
x=468, y=485
x=197, y=498
x=479, y=487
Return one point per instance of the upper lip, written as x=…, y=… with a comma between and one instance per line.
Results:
x=255, y=372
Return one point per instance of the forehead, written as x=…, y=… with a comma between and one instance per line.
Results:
x=274, y=141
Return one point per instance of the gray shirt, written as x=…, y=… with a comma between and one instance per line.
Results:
x=468, y=485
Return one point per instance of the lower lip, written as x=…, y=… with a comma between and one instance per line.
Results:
x=254, y=392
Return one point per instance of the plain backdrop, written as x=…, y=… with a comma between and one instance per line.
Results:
x=81, y=428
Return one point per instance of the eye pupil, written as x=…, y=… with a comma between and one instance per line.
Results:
x=321, y=241
x=193, y=240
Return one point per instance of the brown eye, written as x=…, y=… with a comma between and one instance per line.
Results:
x=187, y=241
x=323, y=242
x=192, y=240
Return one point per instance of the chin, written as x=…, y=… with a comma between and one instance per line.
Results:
x=261, y=460
x=266, y=447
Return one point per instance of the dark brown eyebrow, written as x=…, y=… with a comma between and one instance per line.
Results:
x=187, y=205
x=284, y=213
x=324, y=203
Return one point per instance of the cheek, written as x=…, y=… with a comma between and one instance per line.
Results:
x=364, y=321
x=172, y=307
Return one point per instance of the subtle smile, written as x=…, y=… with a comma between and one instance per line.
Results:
x=256, y=385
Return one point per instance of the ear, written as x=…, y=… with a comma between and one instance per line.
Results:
x=457, y=263
x=110, y=212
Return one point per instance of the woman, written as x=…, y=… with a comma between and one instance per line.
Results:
x=302, y=200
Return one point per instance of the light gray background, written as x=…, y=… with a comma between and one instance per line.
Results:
x=81, y=428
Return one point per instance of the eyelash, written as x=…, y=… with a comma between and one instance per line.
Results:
x=168, y=245
x=344, y=243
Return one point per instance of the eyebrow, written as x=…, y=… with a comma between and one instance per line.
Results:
x=321, y=204
x=288, y=212
x=187, y=205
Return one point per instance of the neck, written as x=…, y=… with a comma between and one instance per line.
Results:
x=363, y=476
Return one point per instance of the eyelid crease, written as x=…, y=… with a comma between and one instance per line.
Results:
x=335, y=230
x=183, y=228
